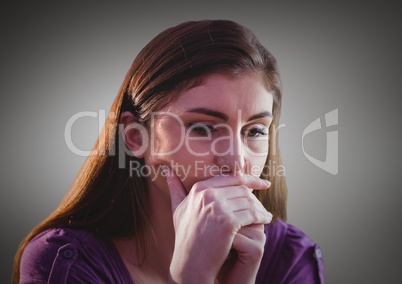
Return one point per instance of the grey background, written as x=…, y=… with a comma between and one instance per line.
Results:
x=60, y=59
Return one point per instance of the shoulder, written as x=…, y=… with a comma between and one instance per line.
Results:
x=290, y=256
x=64, y=255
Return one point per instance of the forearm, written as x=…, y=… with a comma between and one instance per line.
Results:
x=178, y=276
x=241, y=274
x=186, y=270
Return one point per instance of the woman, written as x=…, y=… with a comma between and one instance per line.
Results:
x=179, y=186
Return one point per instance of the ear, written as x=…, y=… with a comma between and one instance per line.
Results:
x=134, y=134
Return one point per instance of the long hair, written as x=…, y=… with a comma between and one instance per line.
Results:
x=104, y=198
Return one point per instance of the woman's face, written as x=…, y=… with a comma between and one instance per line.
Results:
x=217, y=128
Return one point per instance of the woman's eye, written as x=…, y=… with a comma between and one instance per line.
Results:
x=256, y=132
x=201, y=129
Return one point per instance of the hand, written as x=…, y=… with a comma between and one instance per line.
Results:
x=207, y=222
x=248, y=247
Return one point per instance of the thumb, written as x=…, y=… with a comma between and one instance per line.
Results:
x=176, y=188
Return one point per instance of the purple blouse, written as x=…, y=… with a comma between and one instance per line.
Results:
x=67, y=255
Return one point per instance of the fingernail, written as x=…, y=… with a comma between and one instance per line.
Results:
x=267, y=182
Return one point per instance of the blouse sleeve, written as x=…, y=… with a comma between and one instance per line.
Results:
x=48, y=258
x=64, y=256
x=302, y=260
x=290, y=257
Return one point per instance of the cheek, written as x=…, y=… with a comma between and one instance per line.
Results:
x=256, y=156
x=257, y=148
x=169, y=148
x=164, y=140
x=255, y=165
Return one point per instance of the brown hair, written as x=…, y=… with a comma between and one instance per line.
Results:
x=104, y=198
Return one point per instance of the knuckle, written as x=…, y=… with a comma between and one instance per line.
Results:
x=258, y=248
x=251, y=200
x=222, y=206
x=248, y=178
x=254, y=215
x=197, y=187
x=261, y=237
x=239, y=179
x=228, y=223
x=258, y=251
x=208, y=195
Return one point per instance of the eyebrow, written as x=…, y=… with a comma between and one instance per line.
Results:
x=224, y=116
x=260, y=115
x=210, y=112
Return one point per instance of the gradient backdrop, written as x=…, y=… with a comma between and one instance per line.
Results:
x=60, y=59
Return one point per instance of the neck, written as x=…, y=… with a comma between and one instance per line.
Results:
x=161, y=244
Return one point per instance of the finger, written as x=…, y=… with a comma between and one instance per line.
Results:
x=237, y=204
x=254, y=232
x=250, y=248
x=248, y=203
x=236, y=197
x=224, y=181
x=176, y=188
x=248, y=217
x=226, y=193
x=257, y=202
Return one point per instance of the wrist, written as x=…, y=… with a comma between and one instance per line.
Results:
x=242, y=274
x=186, y=272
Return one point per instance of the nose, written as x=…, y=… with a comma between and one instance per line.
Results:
x=229, y=155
